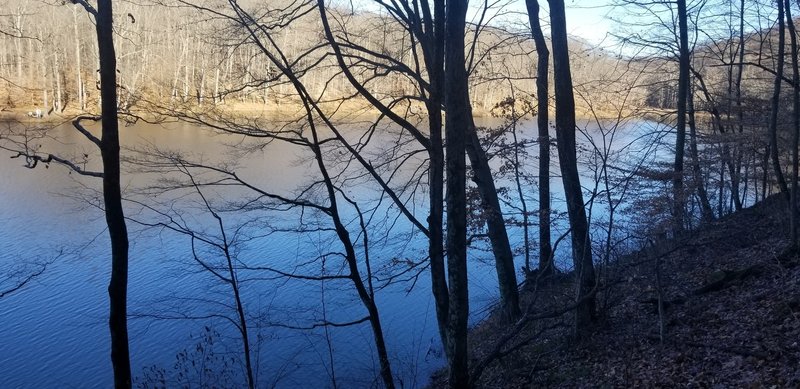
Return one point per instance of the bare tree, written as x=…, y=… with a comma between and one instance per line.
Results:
x=565, y=136
x=112, y=196
x=222, y=245
x=420, y=23
x=109, y=147
x=793, y=215
x=678, y=197
x=776, y=100
x=543, y=123
x=459, y=119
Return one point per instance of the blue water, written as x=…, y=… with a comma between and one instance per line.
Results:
x=53, y=333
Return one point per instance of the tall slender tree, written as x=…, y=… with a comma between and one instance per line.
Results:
x=706, y=212
x=543, y=123
x=459, y=118
x=567, y=157
x=431, y=35
x=422, y=24
x=776, y=102
x=112, y=194
x=793, y=216
x=678, y=200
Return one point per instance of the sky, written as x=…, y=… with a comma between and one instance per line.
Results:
x=587, y=19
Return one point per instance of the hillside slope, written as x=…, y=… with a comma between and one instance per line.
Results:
x=731, y=317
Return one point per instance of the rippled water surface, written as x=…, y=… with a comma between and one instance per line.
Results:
x=53, y=332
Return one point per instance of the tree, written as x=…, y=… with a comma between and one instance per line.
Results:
x=112, y=195
x=543, y=122
x=776, y=102
x=259, y=36
x=707, y=214
x=422, y=25
x=457, y=129
x=678, y=200
x=226, y=270
x=109, y=147
x=567, y=157
x=793, y=216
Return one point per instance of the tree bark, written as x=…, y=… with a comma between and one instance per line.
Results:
x=112, y=197
x=678, y=200
x=739, y=112
x=567, y=156
x=793, y=216
x=78, y=66
x=433, y=43
x=58, y=102
x=44, y=80
x=498, y=236
x=546, y=265
x=707, y=213
x=457, y=128
x=776, y=97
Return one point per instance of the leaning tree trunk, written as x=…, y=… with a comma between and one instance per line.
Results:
x=567, y=157
x=498, y=236
x=546, y=265
x=459, y=118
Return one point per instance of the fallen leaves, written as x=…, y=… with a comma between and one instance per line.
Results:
x=742, y=331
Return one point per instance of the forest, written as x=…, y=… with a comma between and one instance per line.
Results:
x=399, y=193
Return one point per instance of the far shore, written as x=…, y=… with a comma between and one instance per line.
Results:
x=350, y=111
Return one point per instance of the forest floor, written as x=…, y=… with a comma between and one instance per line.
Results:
x=731, y=316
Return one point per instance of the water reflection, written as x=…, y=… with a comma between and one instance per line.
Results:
x=58, y=325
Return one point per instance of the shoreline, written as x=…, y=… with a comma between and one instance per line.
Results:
x=352, y=111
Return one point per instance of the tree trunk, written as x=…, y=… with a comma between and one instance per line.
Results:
x=776, y=97
x=234, y=282
x=366, y=296
x=739, y=111
x=678, y=200
x=546, y=265
x=518, y=181
x=490, y=205
x=567, y=156
x=734, y=158
x=44, y=80
x=58, y=102
x=793, y=216
x=78, y=65
x=457, y=128
x=433, y=46
x=707, y=213
x=112, y=197
x=18, y=45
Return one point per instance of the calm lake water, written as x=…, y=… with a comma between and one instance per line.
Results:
x=53, y=333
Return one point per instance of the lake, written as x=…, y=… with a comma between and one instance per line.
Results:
x=53, y=333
